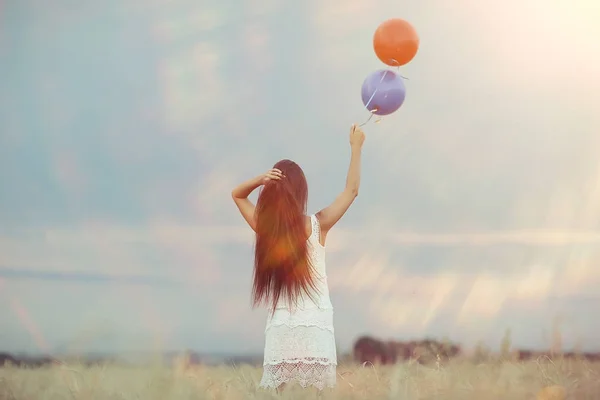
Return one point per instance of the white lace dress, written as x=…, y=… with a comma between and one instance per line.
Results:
x=300, y=342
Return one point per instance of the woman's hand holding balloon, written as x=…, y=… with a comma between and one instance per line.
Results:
x=357, y=137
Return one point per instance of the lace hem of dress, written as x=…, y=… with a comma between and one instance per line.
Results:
x=319, y=373
x=306, y=360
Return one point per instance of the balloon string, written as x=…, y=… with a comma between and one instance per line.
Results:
x=376, y=89
x=398, y=69
x=368, y=119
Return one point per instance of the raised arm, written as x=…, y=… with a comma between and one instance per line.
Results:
x=242, y=191
x=330, y=215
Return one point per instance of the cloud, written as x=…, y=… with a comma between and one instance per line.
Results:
x=168, y=232
x=78, y=277
x=531, y=237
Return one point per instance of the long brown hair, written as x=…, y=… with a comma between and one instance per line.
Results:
x=282, y=266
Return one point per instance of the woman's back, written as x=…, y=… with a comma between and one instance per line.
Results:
x=320, y=296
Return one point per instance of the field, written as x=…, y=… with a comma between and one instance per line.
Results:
x=457, y=380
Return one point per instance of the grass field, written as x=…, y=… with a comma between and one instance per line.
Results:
x=458, y=380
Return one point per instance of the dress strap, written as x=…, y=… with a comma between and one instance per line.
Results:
x=316, y=227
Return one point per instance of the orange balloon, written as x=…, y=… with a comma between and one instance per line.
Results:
x=396, y=42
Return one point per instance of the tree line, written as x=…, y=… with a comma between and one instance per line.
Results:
x=368, y=349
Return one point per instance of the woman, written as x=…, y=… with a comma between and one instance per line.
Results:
x=289, y=270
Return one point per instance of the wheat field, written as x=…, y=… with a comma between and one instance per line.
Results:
x=540, y=379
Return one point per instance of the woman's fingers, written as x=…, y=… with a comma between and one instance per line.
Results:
x=275, y=173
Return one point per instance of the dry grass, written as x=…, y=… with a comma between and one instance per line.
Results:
x=459, y=380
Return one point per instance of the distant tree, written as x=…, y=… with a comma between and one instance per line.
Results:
x=6, y=358
x=368, y=349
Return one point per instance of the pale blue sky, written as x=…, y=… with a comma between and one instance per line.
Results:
x=124, y=125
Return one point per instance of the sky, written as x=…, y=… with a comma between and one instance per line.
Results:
x=124, y=125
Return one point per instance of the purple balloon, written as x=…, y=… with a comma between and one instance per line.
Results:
x=383, y=92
